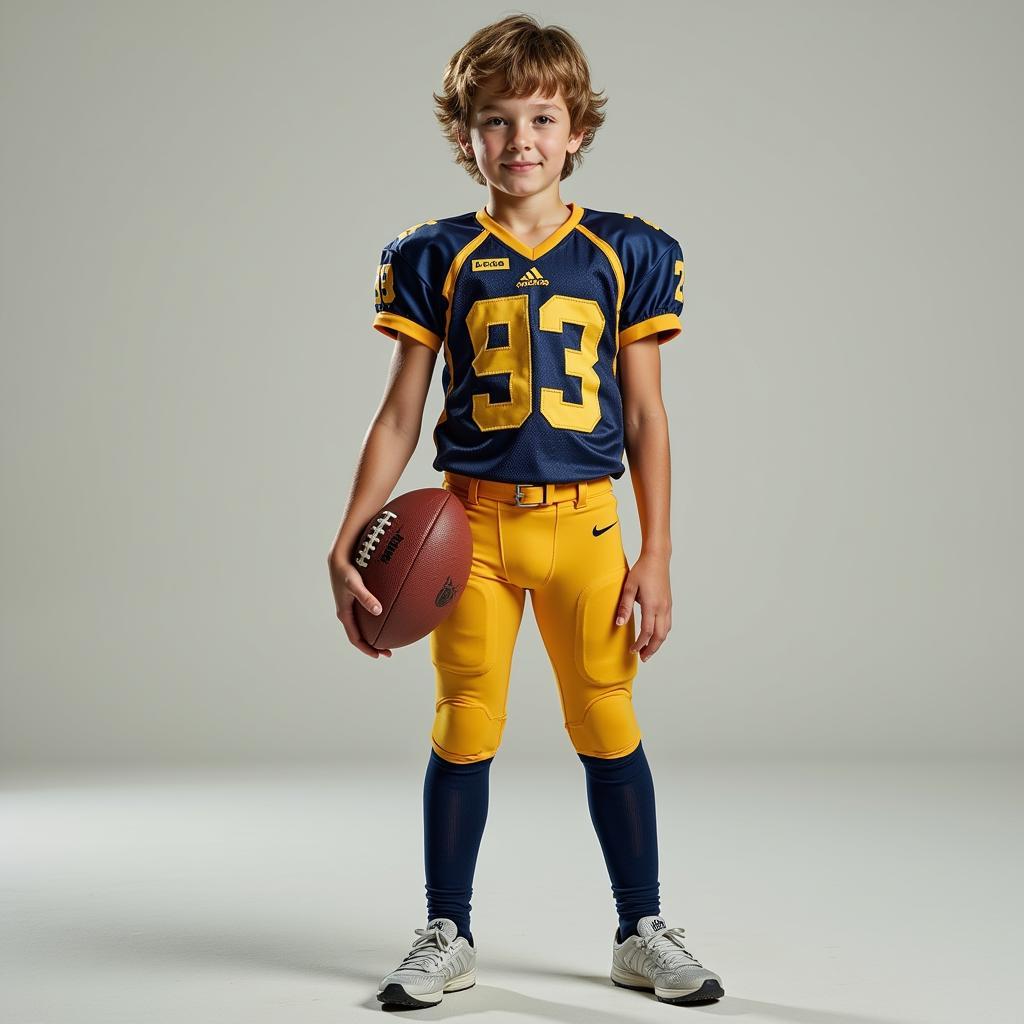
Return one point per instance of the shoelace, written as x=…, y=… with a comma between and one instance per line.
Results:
x=671, y=952
x=427, y=951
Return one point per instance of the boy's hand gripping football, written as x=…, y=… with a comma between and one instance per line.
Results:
x=348, y=587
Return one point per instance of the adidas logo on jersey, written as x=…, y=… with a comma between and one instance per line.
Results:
x=532, y=276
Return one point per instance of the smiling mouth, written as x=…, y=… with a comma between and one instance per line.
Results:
x=521, y=167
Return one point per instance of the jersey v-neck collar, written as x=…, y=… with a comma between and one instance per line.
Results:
x=504, y=235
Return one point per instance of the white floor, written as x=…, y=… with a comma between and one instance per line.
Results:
x=849, y=894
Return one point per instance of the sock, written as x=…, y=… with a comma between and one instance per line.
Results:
x=620, y=793
x=454, y=814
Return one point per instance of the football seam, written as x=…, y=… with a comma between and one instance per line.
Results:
x=412, y=564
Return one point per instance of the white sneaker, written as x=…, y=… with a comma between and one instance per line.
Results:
x=655, y=958
x=440, y=961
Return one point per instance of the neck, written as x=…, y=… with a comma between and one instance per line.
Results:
x=527, y=213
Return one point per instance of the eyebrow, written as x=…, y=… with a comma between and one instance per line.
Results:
x=534, y=106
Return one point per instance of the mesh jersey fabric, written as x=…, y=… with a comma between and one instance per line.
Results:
x=531, y=335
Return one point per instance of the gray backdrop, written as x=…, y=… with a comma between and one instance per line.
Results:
x=194, y=200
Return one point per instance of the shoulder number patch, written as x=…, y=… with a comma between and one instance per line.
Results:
x=409, y=231
x=650, y=223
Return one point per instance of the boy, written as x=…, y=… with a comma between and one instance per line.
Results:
x=550, y=318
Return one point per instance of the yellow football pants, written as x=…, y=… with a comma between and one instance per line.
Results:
x=568, y=554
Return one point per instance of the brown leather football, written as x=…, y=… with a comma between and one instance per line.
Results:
x=414, y=557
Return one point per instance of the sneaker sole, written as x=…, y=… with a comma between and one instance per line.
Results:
x=707, y=992
x=395, y=994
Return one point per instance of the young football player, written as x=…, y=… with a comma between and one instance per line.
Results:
x=550, y=318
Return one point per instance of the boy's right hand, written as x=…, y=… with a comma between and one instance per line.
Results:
x=348, y=587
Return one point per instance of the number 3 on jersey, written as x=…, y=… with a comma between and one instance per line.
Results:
x=514, y=359
x=384, y=285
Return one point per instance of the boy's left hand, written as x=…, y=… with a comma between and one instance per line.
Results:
x=648, y=583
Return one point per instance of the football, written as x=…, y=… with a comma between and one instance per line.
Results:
x=414, y=557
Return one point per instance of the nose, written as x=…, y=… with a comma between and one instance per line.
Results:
x=521, y=138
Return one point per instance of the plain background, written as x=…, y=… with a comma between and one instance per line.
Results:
x=194, y=200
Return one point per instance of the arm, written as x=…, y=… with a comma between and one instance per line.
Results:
x=387, y=448
x=645, y=425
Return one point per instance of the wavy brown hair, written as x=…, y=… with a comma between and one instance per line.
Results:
x=532, y=59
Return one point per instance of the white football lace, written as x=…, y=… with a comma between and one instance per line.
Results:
x=671, y=952
x=427, y=951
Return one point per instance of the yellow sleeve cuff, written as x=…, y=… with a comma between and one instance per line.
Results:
x=666, y=326
x=391, y=323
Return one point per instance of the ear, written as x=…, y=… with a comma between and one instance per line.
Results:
x=463, y=138
x=575, y=141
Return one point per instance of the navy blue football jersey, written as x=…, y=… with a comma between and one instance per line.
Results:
x=531, y=336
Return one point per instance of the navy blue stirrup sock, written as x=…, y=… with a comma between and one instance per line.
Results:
x=454, y=814
x=620, y=793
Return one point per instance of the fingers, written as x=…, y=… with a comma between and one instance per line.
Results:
x=348, y=620
x=355, y=584
x=626, y=602
x=348, y=588
x=347, y=582
x=656, y=621
x=646, y=629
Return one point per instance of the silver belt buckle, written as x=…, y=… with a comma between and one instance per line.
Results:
x=530, y=504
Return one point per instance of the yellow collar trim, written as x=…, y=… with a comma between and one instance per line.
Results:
x=504, y=235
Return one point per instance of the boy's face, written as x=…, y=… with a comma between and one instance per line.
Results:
x=519, y=144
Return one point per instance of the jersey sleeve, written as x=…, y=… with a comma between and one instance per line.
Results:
x=405, y=301
x=654, y=296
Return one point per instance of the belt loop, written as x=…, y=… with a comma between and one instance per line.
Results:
x=474, y=487
x=581, y=494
